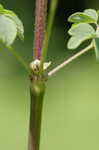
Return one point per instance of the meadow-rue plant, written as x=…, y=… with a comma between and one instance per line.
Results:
x=84, y=27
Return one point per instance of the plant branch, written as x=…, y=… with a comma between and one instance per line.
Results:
x=52, y=11
x=19, y=58
x=70, y=60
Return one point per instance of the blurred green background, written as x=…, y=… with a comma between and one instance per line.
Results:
x=71, y=105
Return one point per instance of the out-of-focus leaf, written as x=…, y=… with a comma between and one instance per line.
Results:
x=98, y=12
x=1, y=7
x=92, y=13
x=8, y=30
x=80, y=33
x=20, y=28
x=96, y=47
x=75, y=41
x=82, y=28
x=97, y=32
x=10, y=14
x=81, y=17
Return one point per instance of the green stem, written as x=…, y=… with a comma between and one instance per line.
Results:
x=19, y=59
x=52, y=11
x=37, y=91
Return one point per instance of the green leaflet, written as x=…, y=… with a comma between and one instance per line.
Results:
x=13, y=16
x=98, y=12
x=92, y=13
x=10, y=15
x=81, y=28
x=88, y=16
x=19, y=24
x=80, y=33
x=75, y=41
x=96, y=47
x=81, y=17
x=8, y=30
x=97, y=31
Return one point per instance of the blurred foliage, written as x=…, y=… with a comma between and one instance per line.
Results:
x=71, y=106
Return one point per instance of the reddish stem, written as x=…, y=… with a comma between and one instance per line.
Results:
x=40, y=19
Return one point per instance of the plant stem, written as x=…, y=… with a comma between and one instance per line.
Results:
x=37, y=88
x=40, y=22
x=19, y=58
x=37, y=91
x=52, y=11
x=70, y=60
